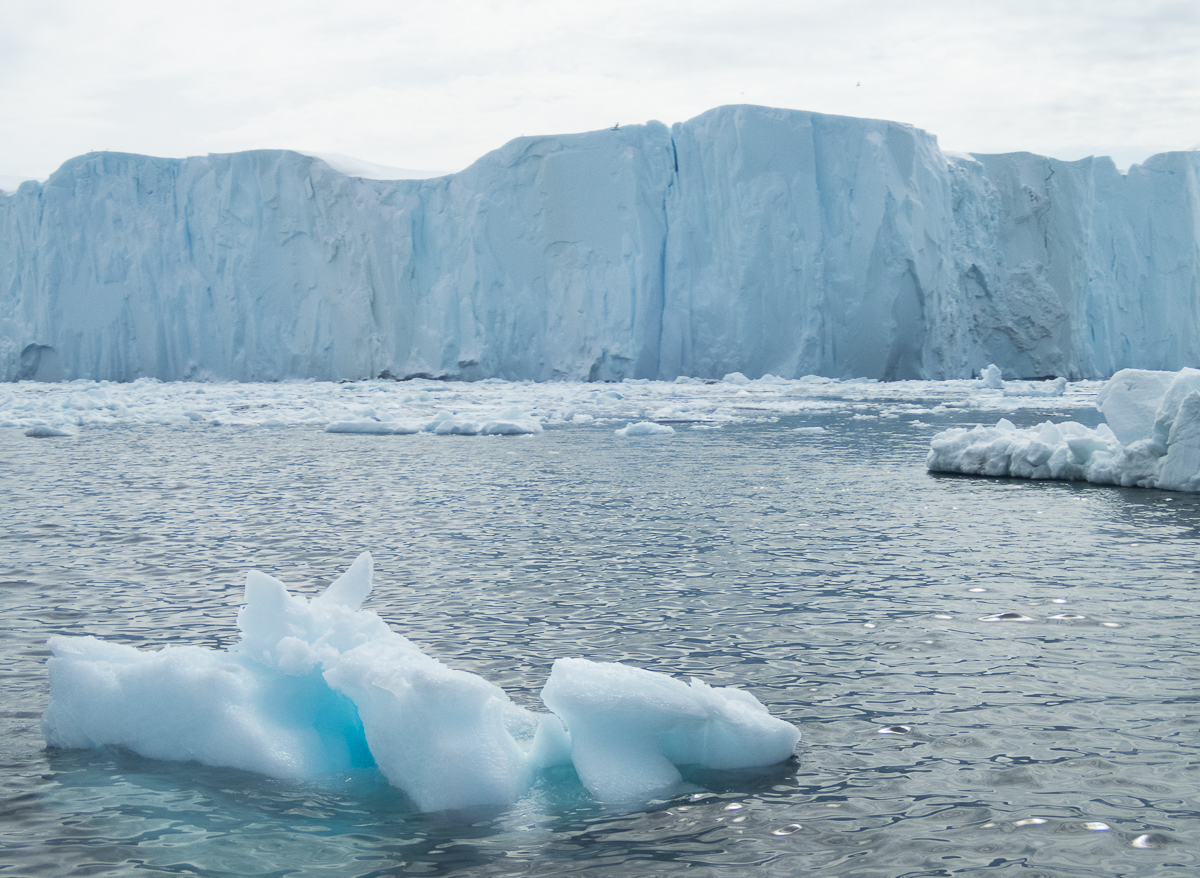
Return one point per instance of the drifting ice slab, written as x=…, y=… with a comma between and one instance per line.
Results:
x=323, y=686
x=1153, y=440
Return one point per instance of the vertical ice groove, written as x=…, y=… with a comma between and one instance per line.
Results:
x=747, y=239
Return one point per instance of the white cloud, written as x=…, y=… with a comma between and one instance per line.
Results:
x=436, y=85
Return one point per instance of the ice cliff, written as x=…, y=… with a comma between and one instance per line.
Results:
x=747, y=239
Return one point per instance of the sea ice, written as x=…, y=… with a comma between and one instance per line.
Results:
x=1151, y=440
x=319, y=686
x=646, y=428
x=386, y=408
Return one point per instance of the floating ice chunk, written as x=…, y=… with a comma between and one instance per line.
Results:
x=1057, y=387
x=513, y=422
x=631, y=727
x=646, y=428
x=453, y=425
x=736, y=378
x=1157, y=413
x=371, y=427
x=44, y=431
x=318, y=686
x=991, y=378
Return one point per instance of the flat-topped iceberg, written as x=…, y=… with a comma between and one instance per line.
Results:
x=1151, y=439
x=320, y=686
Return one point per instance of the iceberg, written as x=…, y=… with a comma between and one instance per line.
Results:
x=746, y=241
x=1151, y=439
x=319, y=686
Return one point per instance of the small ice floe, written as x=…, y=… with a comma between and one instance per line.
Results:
x=45, y=431
x=645, y=428
x=319, y=687
x=512, y=422
x=1054, y=388
x=1006, y=617
x=371, y=427
x=895, y=730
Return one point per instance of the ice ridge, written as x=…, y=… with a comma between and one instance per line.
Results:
x=747, y=239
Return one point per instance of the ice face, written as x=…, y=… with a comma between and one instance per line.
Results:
x=320, y=686
x=747, y=240
x=1158, y=446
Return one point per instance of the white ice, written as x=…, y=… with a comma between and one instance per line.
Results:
x=745, y=240
x=645, y=428
x=442, y=408
x=630, y=727
x=1151, y=439
x=320, y=686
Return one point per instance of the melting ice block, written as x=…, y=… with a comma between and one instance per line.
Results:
x=631, y=727
x=318, y=686
x=1151, y=440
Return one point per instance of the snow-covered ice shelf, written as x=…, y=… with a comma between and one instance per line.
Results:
x=322, y=686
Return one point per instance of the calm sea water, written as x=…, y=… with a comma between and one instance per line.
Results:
x=992, y=677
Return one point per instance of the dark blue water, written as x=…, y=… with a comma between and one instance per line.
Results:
x=992, y=677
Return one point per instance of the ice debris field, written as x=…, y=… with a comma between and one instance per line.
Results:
x=320, y=686
x=637, y=407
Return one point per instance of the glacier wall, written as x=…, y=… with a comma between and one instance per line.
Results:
x=747, y=239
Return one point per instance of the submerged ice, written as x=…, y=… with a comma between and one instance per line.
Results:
x=322, y=685
x=1151, y=439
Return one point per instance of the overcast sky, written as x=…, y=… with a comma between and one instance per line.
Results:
x=435, y=85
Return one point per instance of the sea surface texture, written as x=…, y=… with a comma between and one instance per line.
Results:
x=746, y=239
x=992, y=676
